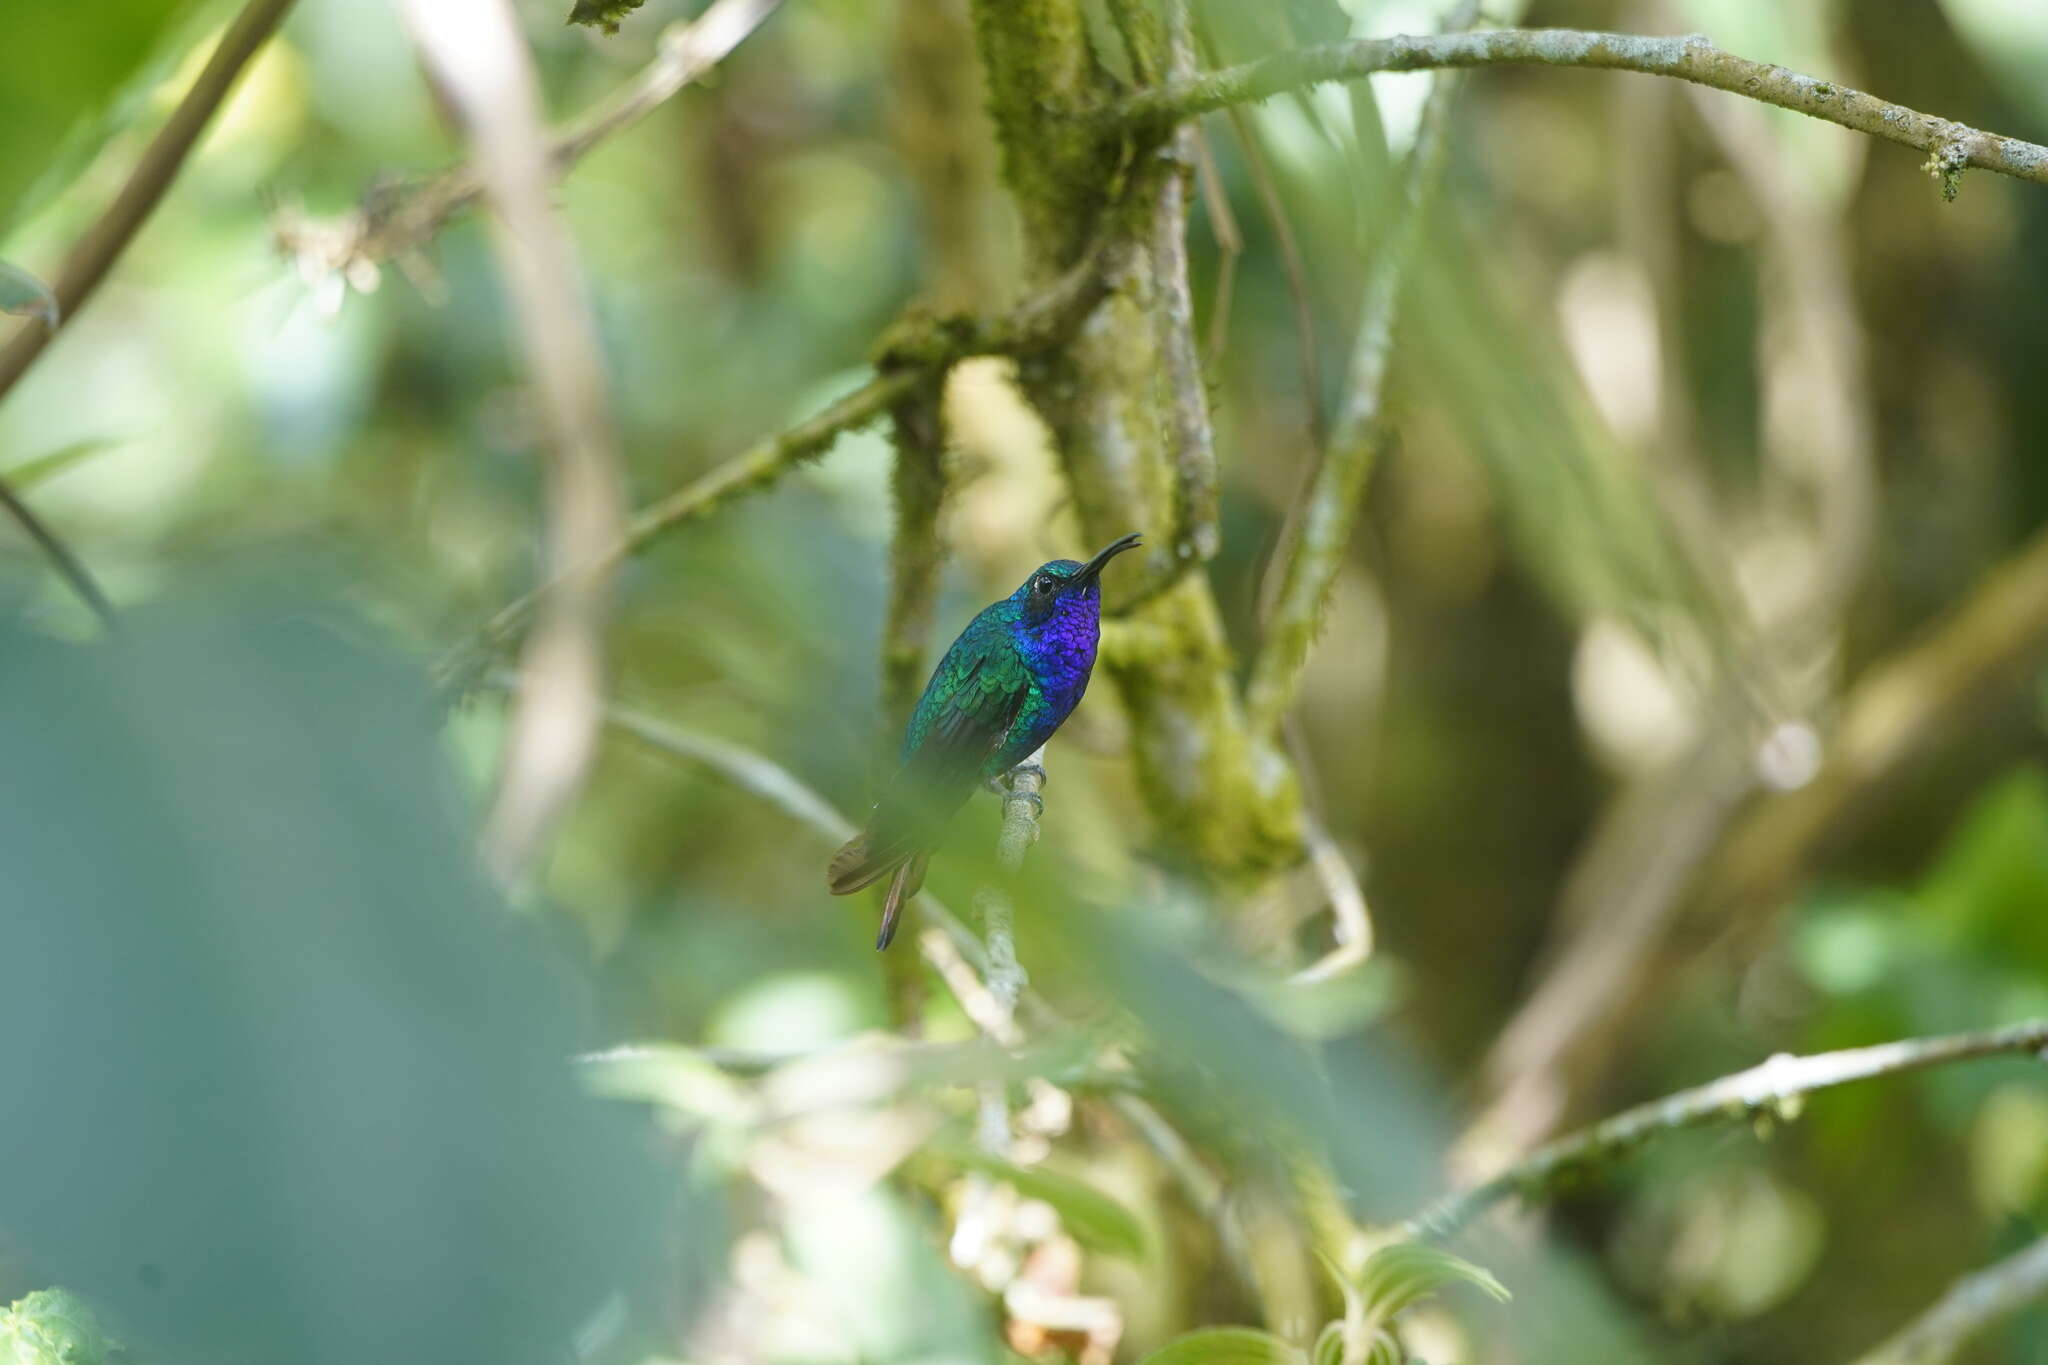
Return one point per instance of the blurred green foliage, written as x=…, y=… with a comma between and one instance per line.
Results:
x=298, y=1087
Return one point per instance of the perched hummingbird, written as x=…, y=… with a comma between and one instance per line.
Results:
x=1004, y=686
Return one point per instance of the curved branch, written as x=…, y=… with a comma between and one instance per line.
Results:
x=1972, y=1304
x=1774, y=1088
x=1952, y=146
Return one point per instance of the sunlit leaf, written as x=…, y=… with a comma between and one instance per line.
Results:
x=1091, y=1217
x=26, y=296
x=1228, y=1346
x=54, y=1327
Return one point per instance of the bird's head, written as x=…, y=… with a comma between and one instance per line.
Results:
x=1066, y=580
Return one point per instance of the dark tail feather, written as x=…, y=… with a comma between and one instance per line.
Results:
x=909, y=877
x=853, y=867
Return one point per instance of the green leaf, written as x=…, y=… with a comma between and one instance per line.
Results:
x=1398, y=1276
x=604, y=14
x=288, y=1041
x=1227, y=1346
x=26, y=296
x=95, y=69
x=53, y=1327
x=33, y=472
x=1091, y=1217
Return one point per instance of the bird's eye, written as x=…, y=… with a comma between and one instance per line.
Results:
x=1043, y=584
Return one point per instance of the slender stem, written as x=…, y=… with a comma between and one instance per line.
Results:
x=1312, y=547
x=1953, y=146
x=109, y=236
x=1971, y=1305
x=1772, y=1089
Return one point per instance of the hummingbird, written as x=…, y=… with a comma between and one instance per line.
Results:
x=1010, y=680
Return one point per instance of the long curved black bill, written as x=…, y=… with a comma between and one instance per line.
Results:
x=1104, y=555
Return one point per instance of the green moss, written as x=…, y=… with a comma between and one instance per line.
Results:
x=1225, y=805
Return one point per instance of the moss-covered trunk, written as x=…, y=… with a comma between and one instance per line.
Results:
x=1232, y=809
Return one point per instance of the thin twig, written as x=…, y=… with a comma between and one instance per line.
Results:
x=109, y=236
x=1772, y=1089
x=478, y=57
x=1311, y=549
x=396, y=221
x=1971, y=1305
x=1195, y=536
x=1951, y=146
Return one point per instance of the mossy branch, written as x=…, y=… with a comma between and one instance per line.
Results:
x=1951, y=146
x=1772, y=1090
x=918, y=485
x=1230, y=809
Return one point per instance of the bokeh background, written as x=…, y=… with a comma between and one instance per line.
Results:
x=1710, y=424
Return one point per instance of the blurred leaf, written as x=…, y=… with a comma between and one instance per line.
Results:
x=1227, y=1346
x=2011, y=38
x=300, y=1088
x=92, y=69
x=54, y=1327
x=676, y=1077
x=1091, y=1217
x=26, y=296
x=603, y=14
x=31, y=473
x=1991, y=878
x=1399, y=1276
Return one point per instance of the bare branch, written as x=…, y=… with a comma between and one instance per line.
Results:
x=479, y=59
x=398, y=220
x=109, y=236
x=1971, y=1305
x=1772, y=1089
x=1951, y=146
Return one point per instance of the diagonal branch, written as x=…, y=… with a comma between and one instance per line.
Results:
x=920, y=350
x=109, y=236
x=1971, y=1305
x=1772, y=1089
x=1951, y=146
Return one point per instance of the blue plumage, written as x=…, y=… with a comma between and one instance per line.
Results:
x=1004, y=686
